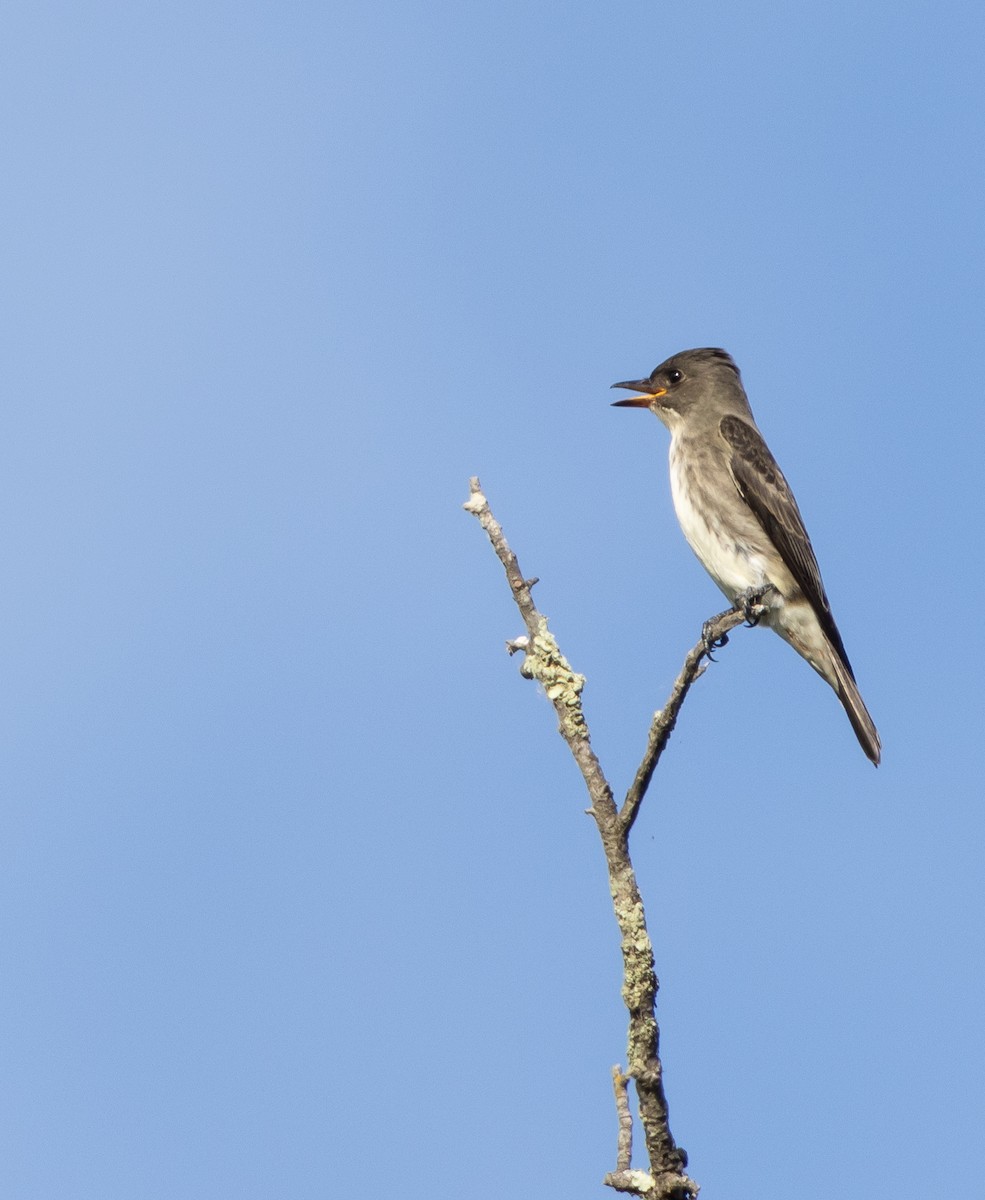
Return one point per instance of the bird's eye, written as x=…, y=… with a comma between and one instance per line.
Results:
x=675, y=376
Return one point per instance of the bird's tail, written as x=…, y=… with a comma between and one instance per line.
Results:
x=853, y=704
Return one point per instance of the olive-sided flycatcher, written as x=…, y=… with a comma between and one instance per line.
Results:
x=740, y=517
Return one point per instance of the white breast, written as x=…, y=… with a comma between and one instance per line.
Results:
x=719, y=528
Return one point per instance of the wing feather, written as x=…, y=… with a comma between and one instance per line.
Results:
x=763, y=487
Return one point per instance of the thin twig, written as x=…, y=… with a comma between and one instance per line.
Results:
x=664, y=719
x=624, y=1139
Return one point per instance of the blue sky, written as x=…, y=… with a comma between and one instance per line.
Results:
x=296, y=893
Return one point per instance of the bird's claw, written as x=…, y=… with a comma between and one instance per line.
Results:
x=750, y=600
x=711, y=641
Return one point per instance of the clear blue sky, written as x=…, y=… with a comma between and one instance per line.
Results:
x=297, y=896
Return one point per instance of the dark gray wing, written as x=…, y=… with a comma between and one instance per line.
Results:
x=761, y=484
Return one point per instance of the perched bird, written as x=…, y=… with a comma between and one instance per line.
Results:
x=739, y=515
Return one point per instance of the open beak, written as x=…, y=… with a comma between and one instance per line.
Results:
x=650, y=393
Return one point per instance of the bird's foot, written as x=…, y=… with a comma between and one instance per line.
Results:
x=750, y=601
x=711, y=641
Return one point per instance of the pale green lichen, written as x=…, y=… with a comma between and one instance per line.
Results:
x=563, y=686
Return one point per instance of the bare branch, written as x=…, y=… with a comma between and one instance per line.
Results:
x=544, y=662
x=624, y=1141
x=637, y=1183
x=660, y=1187
x=714, y=634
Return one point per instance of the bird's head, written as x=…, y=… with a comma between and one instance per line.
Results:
x=684, y=384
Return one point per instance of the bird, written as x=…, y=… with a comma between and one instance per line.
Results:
x=739, y=516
